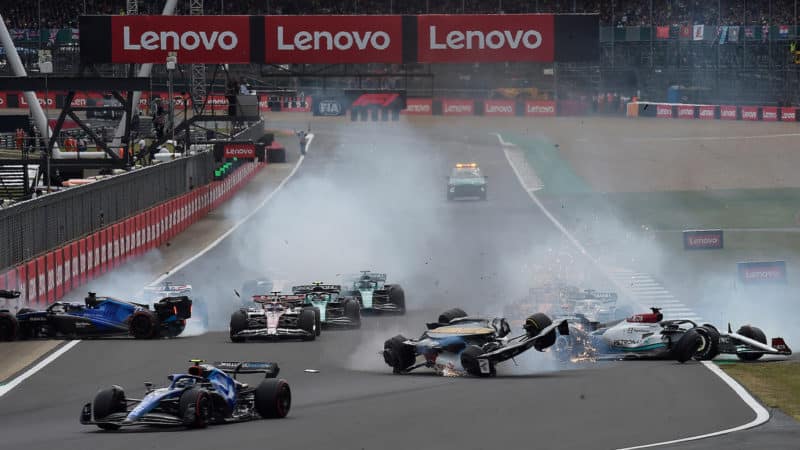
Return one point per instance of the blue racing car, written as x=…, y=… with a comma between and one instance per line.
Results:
x=207, y=394
x=98, y=316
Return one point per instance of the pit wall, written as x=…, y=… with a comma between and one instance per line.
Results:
x=49, y=277
x=713, y=112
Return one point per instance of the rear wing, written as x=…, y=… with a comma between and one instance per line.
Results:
x=270, y=369
x=282, y=298
x=374, y=276
x=9, y=294
x=303, y=288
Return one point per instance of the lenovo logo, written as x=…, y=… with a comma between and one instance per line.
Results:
x=240, y=151
x=702, y=239
x=706, y=112
x=172, y=41
x=727, y=112
x=788, y=116
x=476, y=39
x=458, y=109
x=325, y=40
x=426, y=108
x=749, y=115
x=762, y=272
x=686, y=112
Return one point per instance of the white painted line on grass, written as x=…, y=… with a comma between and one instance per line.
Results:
x=41, y=365
x=762, y=415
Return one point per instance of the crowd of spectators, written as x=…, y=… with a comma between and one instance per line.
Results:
x=60, y=14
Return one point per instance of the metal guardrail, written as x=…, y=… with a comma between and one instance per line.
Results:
x=36, y=226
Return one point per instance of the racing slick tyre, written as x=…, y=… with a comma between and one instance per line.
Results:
x=106, y=402
x=174, y=329
x=474, y=366
x=9, y=327
x=307, y=321
x=238, y=324
x=398, y=297
x=755, y=334
x=26, y=331
x=398, y=355
x=710, y=351
x=318, y=321
x=689, y=344
x=450, y=314
x=273, y=398
x=195, y=408
x=144, y=325
x=534, y=325
x=352, y=310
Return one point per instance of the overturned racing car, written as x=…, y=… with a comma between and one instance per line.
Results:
x=460, y=344
x=648, y=336
x=375, y=295
x=279, y=316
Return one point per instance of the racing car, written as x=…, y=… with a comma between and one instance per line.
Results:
x=460, y=344
x=374, y=295
x=280, y=316
x=99, y=316
x=466, y=180
x=207, y=394
x=649, y=336
x=335, y=310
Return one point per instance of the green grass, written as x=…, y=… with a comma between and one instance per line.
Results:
x=776, y=384
x=553, y=170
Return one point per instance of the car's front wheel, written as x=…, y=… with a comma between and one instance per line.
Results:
x=195, y=408
x=106, y=402
x=237, y=325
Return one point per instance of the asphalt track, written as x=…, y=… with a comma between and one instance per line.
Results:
x=376, y=200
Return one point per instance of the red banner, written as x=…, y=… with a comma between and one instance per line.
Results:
x=540, y=109
x=788, y=114
x=41, y=279
x=50, y=263
x=769, y=113
x=485, y=38
x=686, y=111
x=662, y=32
x=499, y=108
x=664, y=111
x=418, y=107
x=334, y=39
x=458, y=107
x=67, y=255
x=727, y=112
x=749, y=112
x=706, y=112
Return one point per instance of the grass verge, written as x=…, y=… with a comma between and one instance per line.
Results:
x=776, y=384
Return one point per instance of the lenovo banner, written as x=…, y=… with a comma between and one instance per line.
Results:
x=540, y=109
x=762, y=272
x=458, y=107
x=702, y=239
x=418, y=106
x=499, y=108
x=788, y=114
x=334, y=39
x=769, y=113
x=727, y=112
x=241, y=151
x=686, y=111
x=664, y=111
x=749, y=112
x=706, y=112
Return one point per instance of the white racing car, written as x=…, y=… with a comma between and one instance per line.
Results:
x=279, y=316
x=648, y=336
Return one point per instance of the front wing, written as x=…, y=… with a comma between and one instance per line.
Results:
x=118, y=419
x=273, y=333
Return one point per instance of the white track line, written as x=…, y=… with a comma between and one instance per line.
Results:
x=63, y=349
x=761, y=413
x=4, y=389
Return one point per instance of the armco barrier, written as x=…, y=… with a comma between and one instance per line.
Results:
x=50, y=276
x=709, y=112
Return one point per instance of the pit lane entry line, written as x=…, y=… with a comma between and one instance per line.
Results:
x=762, y=415
x=4, y=389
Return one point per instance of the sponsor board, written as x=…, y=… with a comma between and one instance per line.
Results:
x=664, y=111
x=329, y=108
x=499, y=108
x=540, y=109
x=788, y=114
x=727, y=112
x=242, y=151
x=702, y=239
x=762, y=272
x=418, y=106
x=749, y=112
x=485, y=38
x=333, y=39
x=769, y=113
x=458, y=107
x=705, y=112
x=195, y=39
x=686, y=111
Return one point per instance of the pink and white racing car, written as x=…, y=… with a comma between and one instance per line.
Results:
x=276, y=316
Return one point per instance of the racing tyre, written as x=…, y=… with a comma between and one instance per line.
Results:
x=398, y=297
x=398, y=355
x=306, y=321
x=711, y=350
x=174, y=329
x=195, y=408
x=9, y=327
x=473, y=365
x=755, y=334
x=318, y=321
x=238, y=323
x=534, y=325
x=273, y=398
x=352, y=310
x=106, y=402
x=450, y=314
x=144, y=325
x=692, y=342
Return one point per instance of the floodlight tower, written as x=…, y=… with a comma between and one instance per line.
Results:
x=199, y=88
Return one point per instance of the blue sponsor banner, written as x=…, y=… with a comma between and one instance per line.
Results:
x=762, y=272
